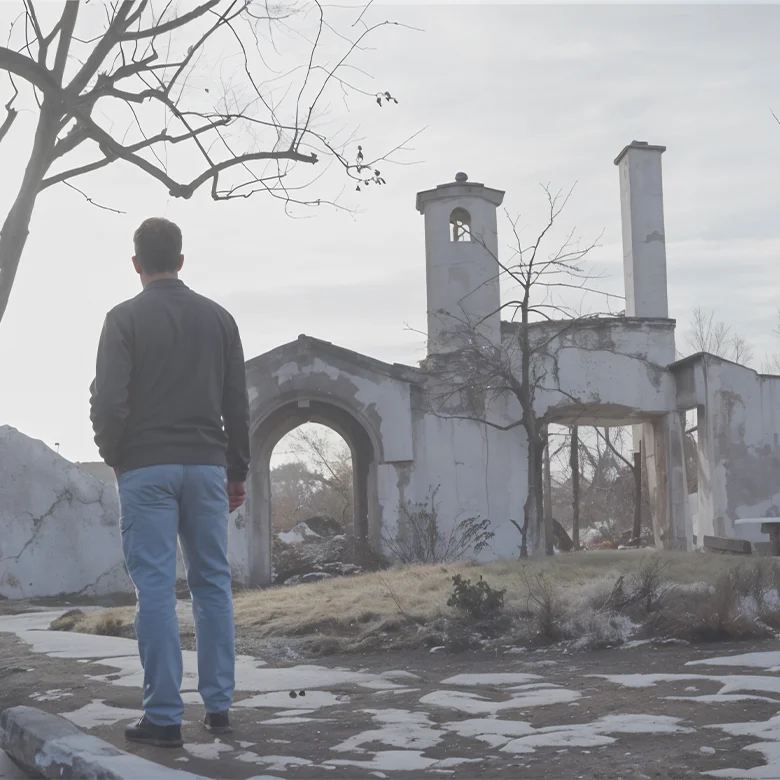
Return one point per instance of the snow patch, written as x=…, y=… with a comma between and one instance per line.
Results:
x=504, y=678
x=399, y=761
x=474, y=704
x=398, y=728
x=208, y=751
x=281, y=700
x=274, y=763
x=768, y=660
x=98, y=713
x=736, y=683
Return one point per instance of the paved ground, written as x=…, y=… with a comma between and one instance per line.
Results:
x=9, y=770
x=646, y=712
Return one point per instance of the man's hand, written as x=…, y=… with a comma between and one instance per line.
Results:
x=236, y=494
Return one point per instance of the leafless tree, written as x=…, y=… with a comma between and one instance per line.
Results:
x=330, y=462
x=518, y=368
x=706, y=334
x=772, y=362
x=574, y=463
x=608, y=482
x=316, y=481
x=234, y=95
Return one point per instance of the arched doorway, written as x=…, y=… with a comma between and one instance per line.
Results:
x=266, y=435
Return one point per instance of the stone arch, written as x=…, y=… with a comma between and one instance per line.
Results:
x=269, y=428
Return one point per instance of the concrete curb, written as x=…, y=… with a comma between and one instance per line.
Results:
x=53, y=747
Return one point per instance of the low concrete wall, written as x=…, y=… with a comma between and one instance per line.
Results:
x=50, y=746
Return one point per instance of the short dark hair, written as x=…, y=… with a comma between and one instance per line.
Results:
x=157, y=244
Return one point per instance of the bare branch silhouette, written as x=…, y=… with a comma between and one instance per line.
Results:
x=233, y=95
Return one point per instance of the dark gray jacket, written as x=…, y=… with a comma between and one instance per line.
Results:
x=170, y=385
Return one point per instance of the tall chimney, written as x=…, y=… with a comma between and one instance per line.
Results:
x=644, y=238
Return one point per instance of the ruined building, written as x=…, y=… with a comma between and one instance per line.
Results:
x=407, y=439
x=415, y=430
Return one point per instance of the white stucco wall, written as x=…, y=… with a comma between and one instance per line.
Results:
x=602, y=370
x=479, y=472
x=462, y=279
x=59, y=525
x=739, y=444
x=309, y=370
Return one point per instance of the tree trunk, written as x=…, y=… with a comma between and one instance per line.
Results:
x=15, y=230
x=534, y=503
x=574, y=462
x=638, y=493
x=548, y=511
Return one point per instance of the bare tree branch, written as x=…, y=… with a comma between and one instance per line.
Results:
x=706, y=334
x=154, y=71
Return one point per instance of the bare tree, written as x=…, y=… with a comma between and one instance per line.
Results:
x=226, y=94
x=330, y=464
x=574, y=462
x=518, y=367
x=772, y=362
x=706, y=334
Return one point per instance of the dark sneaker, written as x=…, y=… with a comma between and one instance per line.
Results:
x=218, y=723
x=147, y=733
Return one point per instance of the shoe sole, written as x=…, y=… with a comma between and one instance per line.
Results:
x=218, y=729
x=156, y=742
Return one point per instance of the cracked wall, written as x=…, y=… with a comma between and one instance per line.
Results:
x=739, y=444
x=602, y=370
x=59, y=526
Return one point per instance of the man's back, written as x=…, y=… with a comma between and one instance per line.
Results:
x=170, y=371
x=170, y=414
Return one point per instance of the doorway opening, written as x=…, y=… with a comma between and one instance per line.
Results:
x=313, y=495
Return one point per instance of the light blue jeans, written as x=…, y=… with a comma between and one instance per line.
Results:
x=161, y=504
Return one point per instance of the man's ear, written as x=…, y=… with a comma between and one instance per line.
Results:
x=181, y=263
x=137, y=266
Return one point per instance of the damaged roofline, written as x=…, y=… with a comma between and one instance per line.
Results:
x=319, y=347
x=592, y=322
x=699, y=357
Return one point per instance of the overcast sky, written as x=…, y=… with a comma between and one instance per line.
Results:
x=513, y=95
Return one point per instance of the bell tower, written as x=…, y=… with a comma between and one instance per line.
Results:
x=461, y=256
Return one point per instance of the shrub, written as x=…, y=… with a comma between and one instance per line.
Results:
x=475, y=600
x=420, y=538
x=67, y=621
x=549, y=615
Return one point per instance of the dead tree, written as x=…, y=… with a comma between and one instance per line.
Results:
x=772, y=362
x=574, y=462
x=634, y=466
x=479, y=372
x=226, y=94
x=706, y=334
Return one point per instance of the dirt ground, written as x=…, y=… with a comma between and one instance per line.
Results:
x=545, y=715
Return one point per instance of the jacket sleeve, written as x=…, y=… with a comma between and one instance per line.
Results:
x=235, y=413
x=110, y=390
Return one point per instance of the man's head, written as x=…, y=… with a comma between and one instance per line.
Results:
x=157, y=250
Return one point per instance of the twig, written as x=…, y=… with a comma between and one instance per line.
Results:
x=397, y=603
x=93, y=202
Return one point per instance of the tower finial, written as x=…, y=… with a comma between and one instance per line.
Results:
x=461, y=177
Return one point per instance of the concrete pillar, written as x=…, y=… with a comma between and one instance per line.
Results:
x=710, y=516
x=462, y=270
x=667, y=482
x=644, y=237
x=258, y=518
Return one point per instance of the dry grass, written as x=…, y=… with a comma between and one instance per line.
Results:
x=579, y=593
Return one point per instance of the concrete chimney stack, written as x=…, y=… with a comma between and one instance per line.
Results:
x=644, y=237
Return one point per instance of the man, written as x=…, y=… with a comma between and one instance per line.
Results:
x=170, y=413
